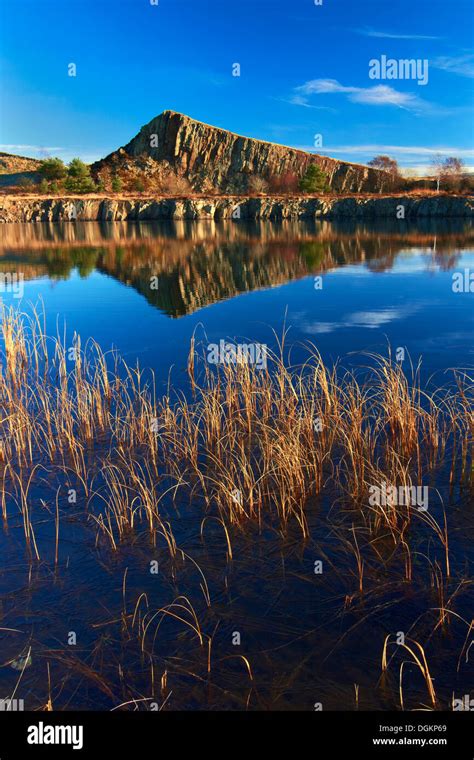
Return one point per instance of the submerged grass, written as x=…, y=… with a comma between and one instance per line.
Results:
x=247, y=444
x=269, y=448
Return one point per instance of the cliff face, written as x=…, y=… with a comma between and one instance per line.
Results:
x=215, y=159
x=18, y=209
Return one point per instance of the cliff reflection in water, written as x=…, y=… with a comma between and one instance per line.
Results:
x=195, y=264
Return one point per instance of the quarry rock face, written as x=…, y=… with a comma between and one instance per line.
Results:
x=70, y=209
x=211, y=158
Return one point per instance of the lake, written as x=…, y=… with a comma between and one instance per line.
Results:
x=283, y=637
x=379, y=285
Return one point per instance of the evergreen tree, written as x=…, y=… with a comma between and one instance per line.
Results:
x=117, y=184
x=79, y=178
x=52, y=169
x=314, y=180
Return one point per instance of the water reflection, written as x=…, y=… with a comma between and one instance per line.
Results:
x=179, y=267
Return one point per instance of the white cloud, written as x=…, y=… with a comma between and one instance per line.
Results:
x=382, y=95
x=318, y=328
x=377, y=317
x=300, y=100
x=324, y=85
x=394, y=36
x=370, y=320
x=416, y=158
x=403, y=150
x=379, y=95
x=46, y=151
x=462, y=65
x=36, y=148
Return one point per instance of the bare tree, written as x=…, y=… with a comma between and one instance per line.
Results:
x=390, y=167
x=453, y=172
x=449, y=172
x=436, y=170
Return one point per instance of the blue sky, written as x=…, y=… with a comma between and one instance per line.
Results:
x=304, y=72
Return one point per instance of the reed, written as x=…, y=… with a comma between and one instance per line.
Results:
x=247, y=443
x=418, y=655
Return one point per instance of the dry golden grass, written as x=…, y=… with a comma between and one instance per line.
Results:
x=274, y=446
x=245, y=444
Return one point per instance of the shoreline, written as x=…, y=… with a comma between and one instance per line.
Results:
x=107, y=208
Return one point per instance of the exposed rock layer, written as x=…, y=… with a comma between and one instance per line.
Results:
x=213, y=158
x=18, y=209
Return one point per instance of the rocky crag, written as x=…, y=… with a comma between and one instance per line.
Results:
x=211, y=158
x=59, y=209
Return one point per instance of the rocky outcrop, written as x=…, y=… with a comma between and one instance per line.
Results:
x=39, y=209
x=211, y=158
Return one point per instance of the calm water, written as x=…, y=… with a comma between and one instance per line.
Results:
x=380, y=285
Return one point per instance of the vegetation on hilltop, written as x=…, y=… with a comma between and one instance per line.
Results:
x=53, y=177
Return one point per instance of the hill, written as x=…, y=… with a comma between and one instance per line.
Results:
x=14, y=169
x=208, y=158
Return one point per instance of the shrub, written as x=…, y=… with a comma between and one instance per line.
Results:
x=467, y=183
x=257, y=184
x=104, y=180
x=174, y=185
x=138, y=185
x=284, y=183
x=26, y=183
